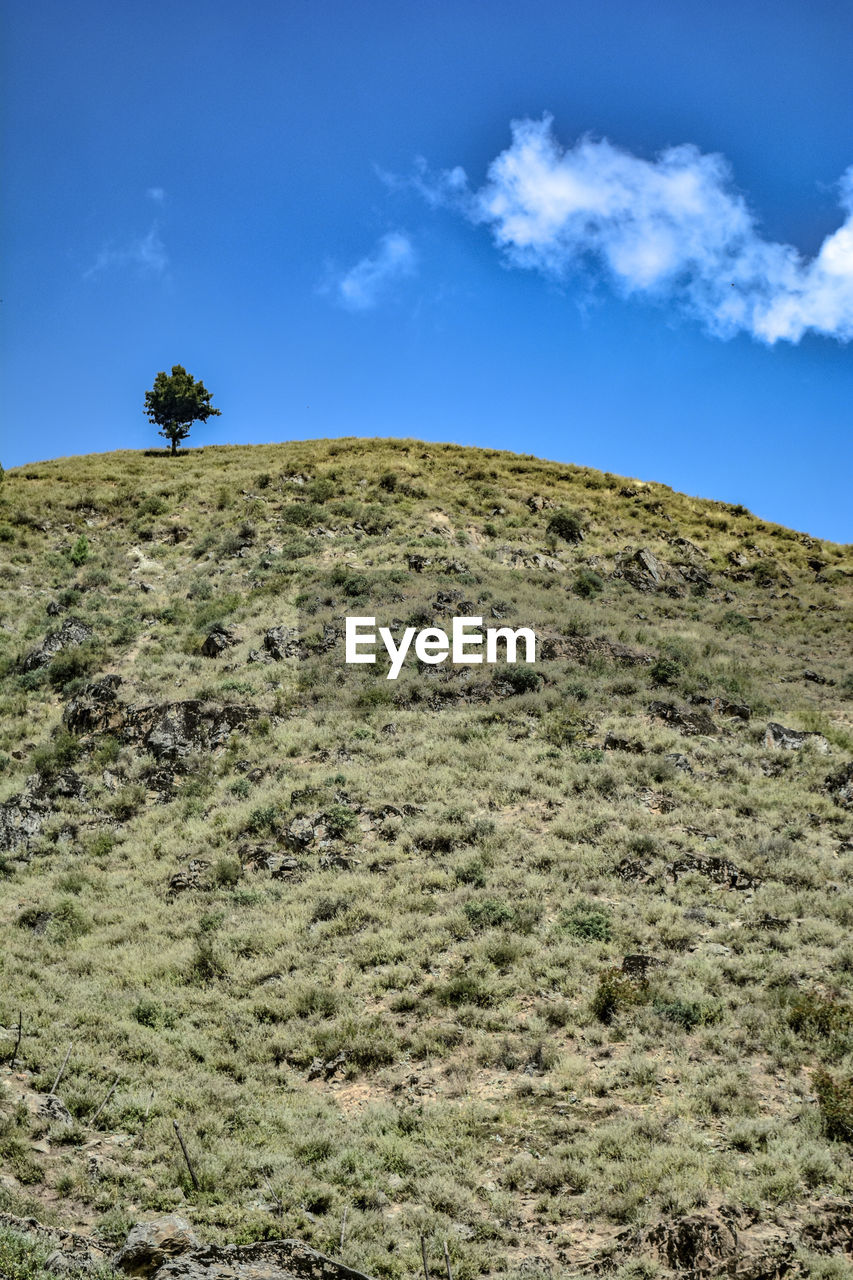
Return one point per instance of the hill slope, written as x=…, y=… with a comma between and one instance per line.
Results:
x=548, y=961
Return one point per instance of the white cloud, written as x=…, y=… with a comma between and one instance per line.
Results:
x=672, y=228
x=157, y=194
x=147, y=255
x=363, y=286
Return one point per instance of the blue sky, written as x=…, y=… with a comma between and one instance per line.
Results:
x=324, y=211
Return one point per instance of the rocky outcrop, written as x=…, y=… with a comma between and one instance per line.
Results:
x=96, y=709
x=780, y=738
x=23, y=816
x=839, y=785
x=173, y=730
x=219, y=639
x=168, y=1249
x=70, y=635
x=282, y=642
x=643, y=570
x=685, y=721
x=720, y=870
x=150, y=1244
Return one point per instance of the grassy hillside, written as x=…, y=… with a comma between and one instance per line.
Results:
x=529, y=959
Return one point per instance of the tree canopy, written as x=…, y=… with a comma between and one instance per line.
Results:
x=175, y=402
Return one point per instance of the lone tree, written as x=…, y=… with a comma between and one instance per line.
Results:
x=175, y=402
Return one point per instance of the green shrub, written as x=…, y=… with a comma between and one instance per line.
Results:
x=614, y=993
x=586, y=921
x=565, y=524
x=79, y=553
x=587, y=584
x=835, y=1101
x=340, y=821
x=521, y=678
x=486, y=913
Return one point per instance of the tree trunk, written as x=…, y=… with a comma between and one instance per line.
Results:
x=174, y=447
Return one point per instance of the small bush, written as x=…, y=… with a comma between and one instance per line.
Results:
x=835, y=1100
x=614, y=993
x=588, y=584
x=586, y=921
x=79, y=553
x=567, y=525
x=521, y=678
x=226, y=872
x=486, y=913
x=340, y=821
x=665, y=671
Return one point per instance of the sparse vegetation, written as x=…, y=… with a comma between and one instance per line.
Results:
x=544, y=925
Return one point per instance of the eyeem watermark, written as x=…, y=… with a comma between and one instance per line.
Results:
x=464, y=646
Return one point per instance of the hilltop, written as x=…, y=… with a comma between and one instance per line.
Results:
x=551, y=961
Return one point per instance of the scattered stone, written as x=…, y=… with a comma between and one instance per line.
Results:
x=53, y=1108
x=723, y=707
x=300, y=833
x=718, y=869
x=537, y=503
x=219, y=639
x=281, y=642
x=815, y=678
x=418, y=563
x=150, y=1244
x=189, y=877
x=631, y=869
x=613, y=742
x=327, y=1068
x=641, y=569
x=688, y=723
x=679, y=761
x=70, y=635
x=793, y=739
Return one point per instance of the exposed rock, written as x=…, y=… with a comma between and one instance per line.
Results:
x=70, y=635
x=696, y=1243
x=793, y=739
x=840, y=785
x=679, y=761
x=632, y=870
x=537, y=503
x=418, y=563
x=580, y=648
x=300, y=833
x=327, y=1068
x=189, y=877
x=23, y=816
x=723, y=707
x=220, y=639
x=613, y=742
x=171, y=730
x=686, y=722
x=96, y=708
x=720, y=870
x=815, y=678
x=282, y=642
x=266, y=1260
x=150, y=1244
x=643, y=570
x=53, y=1108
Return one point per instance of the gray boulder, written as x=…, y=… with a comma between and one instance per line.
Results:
x=150, y=1244
x=70, y=635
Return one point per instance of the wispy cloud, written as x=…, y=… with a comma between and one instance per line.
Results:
x=673, y=229
x=146, y=255
x=363, y=286
x=157, y=194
